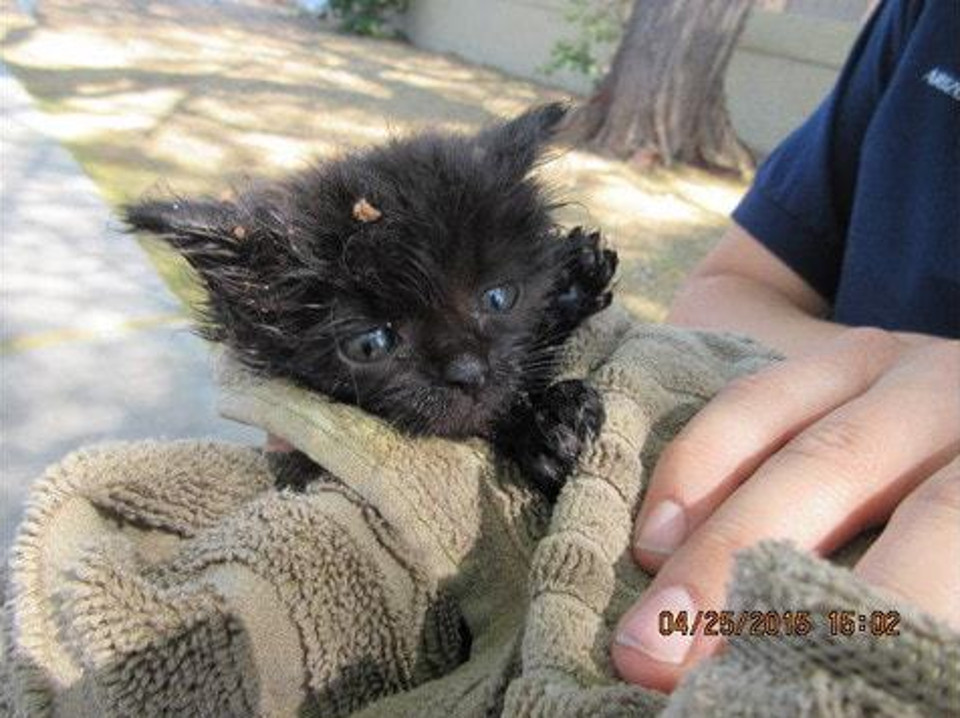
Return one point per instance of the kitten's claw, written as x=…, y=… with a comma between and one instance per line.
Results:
x=584, y=288
x=565, y=417
x=593, y=264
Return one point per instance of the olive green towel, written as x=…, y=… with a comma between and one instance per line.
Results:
x=164, y=579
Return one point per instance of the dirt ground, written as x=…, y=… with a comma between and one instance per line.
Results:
x=196, y=95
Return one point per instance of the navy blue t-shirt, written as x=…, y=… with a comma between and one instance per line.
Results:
x=863, y=200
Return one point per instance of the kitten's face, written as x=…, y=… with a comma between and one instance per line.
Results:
x=436, y=327
x=411, y=280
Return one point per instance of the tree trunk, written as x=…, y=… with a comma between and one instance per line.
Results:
x=663, y=99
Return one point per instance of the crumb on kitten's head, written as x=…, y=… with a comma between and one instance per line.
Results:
x=410, y=279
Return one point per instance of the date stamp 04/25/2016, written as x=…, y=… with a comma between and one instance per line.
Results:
x=778, y=623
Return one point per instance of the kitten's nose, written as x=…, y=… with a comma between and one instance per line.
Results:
x=466, y=371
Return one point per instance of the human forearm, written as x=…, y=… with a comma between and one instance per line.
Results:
x=734, y=303
x=742, y=287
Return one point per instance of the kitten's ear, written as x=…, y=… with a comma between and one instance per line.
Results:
x=517, y=144
x=206, y=232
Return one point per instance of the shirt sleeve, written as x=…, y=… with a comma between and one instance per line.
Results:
x=800, y=203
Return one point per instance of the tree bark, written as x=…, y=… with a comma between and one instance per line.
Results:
x=663, y=99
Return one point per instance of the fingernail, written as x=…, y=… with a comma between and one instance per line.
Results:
x=664, y=529
x=640, y=630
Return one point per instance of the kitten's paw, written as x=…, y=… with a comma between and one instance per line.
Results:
x=293, y=470
x=564, y=418
x=585, y=288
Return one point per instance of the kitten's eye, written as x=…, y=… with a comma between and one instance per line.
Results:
x=498, y=300
x=370, y=346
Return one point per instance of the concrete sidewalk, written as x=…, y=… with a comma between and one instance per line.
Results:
x=93, y=347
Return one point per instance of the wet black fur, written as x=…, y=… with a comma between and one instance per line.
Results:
x=290, y=272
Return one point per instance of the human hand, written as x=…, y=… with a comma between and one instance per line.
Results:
x=812, y=450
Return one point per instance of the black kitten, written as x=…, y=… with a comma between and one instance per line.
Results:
x=423, y=281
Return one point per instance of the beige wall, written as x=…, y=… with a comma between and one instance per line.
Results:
x=784, y=64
